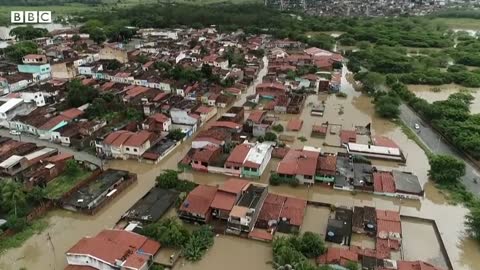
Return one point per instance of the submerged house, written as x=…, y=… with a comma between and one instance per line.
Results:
x=196, y=207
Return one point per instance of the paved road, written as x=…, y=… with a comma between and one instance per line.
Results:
x=435, y=142
x=28, y=138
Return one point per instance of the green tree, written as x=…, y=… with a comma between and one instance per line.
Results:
x=169, y=232
x=28, y=32
x=278, y=128
x=387, y=106
x=446, y=169
x=199, y=242
x=168, y=179
x=75, y=38
x=142, y=59
x=270, y=137
x=352, y=266
x=97, y=35
x=20, y=49
x=311, y=245
x=13, y=196
x=72, y=168
x=79, y=94
x=17, y=224
x=36, y=195
x=176, y=134
x=472, y=221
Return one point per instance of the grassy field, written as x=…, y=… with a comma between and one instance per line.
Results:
x=63, y=183
x=459, y=23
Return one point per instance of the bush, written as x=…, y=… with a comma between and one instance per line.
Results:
x=446, y=169
x=200, y=241
x=278, y=128
x=168, y=179
x=169, y=232
x=270, y=137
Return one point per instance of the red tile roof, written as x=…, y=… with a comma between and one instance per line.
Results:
x=52, y=122
x=388, y=215
x=72, y=113
x=256, y=116
x=199, y=200
x=319, y=129
x=204, y=109
x=138, y=139
x=160, y=118
x=383, y=182
x=238, y=154
x=160, y=96
x=272, y=207
x=260, y=234
x=206, y=153
x=295, y=124
x=415, y=265
x=223, y=201
x=135, y=91
x=327, y=163
x=112, y=245
x=384, y=141
x=347, y=136
x=388, y=226
x=294, y=209
x=226, y=124
x=117, y=138
x=136, y=261
x=298, y=162
x=79, y=267
x=59, y=157
x=336, y=255
x=233, y=185
x=385, y=246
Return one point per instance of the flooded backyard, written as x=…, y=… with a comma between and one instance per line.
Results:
x=428, y=244
x=66, y=228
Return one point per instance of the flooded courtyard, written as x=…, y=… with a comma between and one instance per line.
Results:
x=47, y=249
x=428, y=244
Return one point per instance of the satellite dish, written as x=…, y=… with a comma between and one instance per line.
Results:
x=331, y=234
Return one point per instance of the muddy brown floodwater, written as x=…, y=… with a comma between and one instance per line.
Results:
x=66, y=228
x=443, y=91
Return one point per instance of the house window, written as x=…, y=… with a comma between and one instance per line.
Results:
x=307, y=176
x=253, y=169
x=236, y=168
x=135, y=150
x=128, y=149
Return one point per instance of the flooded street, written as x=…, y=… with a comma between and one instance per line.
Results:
x=67, y=228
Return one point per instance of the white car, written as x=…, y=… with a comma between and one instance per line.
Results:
x=15, y=132
x=417, y=126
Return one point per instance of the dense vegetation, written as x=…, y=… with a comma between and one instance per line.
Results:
x=168, y=179
x=15, y=52
x=28, y=32
x=171, y=233
x=297, y=250
x=46, y=2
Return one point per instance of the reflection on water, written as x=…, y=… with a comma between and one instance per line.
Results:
x=67, y=228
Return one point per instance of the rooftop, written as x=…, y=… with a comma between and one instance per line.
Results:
x=152, y=206
x=111, y=246
x=199, y=200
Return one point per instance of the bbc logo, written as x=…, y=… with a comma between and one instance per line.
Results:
x=31, y=17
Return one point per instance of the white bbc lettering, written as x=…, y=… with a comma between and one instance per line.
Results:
x=44, y=17
x=30, y=16
x=16, y=16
